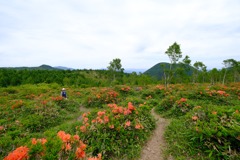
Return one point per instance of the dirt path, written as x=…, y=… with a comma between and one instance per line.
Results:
x=153, y=150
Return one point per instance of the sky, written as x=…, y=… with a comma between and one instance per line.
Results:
x=89, y=34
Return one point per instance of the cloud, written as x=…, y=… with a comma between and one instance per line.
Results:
x=89, y=34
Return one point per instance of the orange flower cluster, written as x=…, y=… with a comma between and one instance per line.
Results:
x=31, y=96
x=214, y=112
x=44, y=102
x=139, y=126
x=99, y=157
x=85, y=122
x=120, y=110
x=127, y=124
x=18, y=104
x=112, y=94
x=20, y=153
x=80, y=153
x=35, y=141
x=161, y=87
x=181, y=101
x=69, y=140
x=101, y=118
x=58, y=98
x=105, y=95
x=126, y=89
x=220, y=92
x=194, y=118
x=1, y=128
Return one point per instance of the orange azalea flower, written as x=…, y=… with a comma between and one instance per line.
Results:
x=66, y=138
x=214, y=112
x=120, y=110
x=221, y=92
x=130, y=106
x=127, y=124
x=194, y=118
x=99, y=157
x=99, y=120
x=68, y=147
x=76, y=137
x=34, y=141
x=43, y=140
x=127, y=111
x=83, y=146
x=85, y=120
x=20, y=153
x=100, y=113
x=106, y=119
x=80, y=153
x=1, y=128
x=138, y=126
x=83, y=129
x=183, y=100
x=111, y=126
x=63, y=136
x=237, y=111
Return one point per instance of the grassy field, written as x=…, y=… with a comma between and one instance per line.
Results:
x=114, y=122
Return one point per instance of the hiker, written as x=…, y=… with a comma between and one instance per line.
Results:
x=64, y=93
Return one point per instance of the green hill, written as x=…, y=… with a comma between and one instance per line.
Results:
x=157, y=70
x=42, y=67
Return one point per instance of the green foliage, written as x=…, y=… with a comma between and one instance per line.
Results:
x=206, y=128
x=117, y=131
x=206, y=124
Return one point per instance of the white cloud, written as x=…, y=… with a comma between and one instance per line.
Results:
x=89, y=34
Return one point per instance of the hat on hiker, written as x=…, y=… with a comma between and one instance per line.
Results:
x=63, y=89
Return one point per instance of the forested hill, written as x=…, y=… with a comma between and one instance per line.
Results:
x=157, y=71
x=42, y=67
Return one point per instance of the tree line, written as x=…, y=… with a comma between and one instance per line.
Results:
x=184, y=72
x=78, y=78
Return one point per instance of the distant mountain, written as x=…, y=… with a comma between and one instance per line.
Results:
x=130, y=70
x=42, y=67
x=157, y=70
x=63, y=68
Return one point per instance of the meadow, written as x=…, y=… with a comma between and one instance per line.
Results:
x=115, y=122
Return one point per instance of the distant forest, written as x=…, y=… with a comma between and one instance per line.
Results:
x=78, y=78
x=181, y=73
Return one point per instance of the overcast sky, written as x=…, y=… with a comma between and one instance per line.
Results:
x=88, y=34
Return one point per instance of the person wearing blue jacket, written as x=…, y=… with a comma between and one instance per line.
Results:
x=64, y=93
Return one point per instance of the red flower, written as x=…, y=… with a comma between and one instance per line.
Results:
x=194, y=118
x=18, y=154
x=34, y=141
x=127, y=124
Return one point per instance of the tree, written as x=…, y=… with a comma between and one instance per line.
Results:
x=230, y=64
x=186, y=63
x=115, y=66
x=174, y=53
x=199, y=67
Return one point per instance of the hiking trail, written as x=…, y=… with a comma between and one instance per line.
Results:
x=153, y=150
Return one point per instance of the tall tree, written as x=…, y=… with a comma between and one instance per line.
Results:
x=186, y=63
x=174, y=54
x=115, y=66
x=199, y=67
x=230, y=64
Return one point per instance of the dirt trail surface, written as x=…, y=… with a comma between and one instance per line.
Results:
x=153, y=150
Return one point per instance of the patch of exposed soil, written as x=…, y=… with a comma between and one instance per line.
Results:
x=154, y=148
